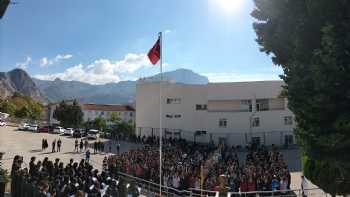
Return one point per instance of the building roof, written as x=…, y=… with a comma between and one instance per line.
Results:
x=101, y=107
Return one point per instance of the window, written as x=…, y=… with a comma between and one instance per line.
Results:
x=169, y=116
x=201, y=107
x=262, y=104
x=256, y=122
x=223, y=123
x=102, y=113
x=177, y=116
x=246, y=105
x=173, y=100
x=288, y=120
x=131, y=114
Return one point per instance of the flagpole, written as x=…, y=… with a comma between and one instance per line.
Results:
x=160, y=114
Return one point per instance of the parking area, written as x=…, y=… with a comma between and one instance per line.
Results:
x=28, y=144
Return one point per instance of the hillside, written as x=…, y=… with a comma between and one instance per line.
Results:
x=111, y=93
x=18, y=80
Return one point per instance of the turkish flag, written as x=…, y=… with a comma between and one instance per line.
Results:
x=154, y=52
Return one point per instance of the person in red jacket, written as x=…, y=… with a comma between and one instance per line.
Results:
x=243, y=186
x=251, y=185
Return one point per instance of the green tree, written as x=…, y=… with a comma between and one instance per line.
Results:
x=114, y=117
x=69, y=115
x=7, y=107
x=310, y=40
x=100, y=123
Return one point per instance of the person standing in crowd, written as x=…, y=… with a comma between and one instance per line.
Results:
x=95, y=147
x=87, y=155
x=110, y=146
x=43, y=144
x=59, y=143
x=304, y=186
x=53, y=145
x=118, y=147
x=81, y=145
x=76, y=147
x=86, y=144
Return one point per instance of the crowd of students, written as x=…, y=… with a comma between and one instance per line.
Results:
x=188, y=165
x=53, y=178
x=185, y=165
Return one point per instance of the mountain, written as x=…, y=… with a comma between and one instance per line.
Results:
x=110, y=93
x=18, y=80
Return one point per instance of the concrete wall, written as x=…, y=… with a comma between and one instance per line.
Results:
x=224, y=97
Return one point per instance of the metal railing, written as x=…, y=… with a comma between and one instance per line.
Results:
x=151, y=189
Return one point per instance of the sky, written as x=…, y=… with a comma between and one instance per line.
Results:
x=107, y=41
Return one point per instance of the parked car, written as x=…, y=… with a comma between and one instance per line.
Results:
x=78, y=133
x=59, y=130
x=44, y=129
x=33, y=127
x=2, y=123
x=24, y=127
x=69, y=131
x=93, y=134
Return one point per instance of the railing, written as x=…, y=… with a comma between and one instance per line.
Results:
x=151, y=189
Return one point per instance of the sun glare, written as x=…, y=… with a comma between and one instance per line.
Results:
x=228, y=6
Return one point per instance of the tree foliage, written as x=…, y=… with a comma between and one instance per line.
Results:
x=310, y=40
x=22, y=106
x=69, y=115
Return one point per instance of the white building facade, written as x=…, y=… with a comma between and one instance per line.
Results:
x=126, y=113
x=233, y=113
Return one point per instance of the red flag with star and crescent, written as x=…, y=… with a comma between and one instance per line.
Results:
x=154, y=52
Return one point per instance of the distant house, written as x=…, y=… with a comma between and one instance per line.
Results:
x=91, y=111
x=125, y=112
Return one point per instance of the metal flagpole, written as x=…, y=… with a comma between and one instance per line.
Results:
x=160, y=114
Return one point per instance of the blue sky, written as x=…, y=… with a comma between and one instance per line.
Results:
x=106, y=41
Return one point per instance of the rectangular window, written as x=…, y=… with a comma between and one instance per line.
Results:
x=288, y=120
x=131, y=114
x=169, y=116
x=246, y=105
x=173, y=100
x=201, y=107
x=177, y=116
x=256, y=122
x=262, y=104
x=223, y=123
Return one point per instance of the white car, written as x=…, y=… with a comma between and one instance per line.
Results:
x=2, y=123
x=69, y=131
x=24, y=127
x=59, y=130
x=93, y=134
x=33, y=127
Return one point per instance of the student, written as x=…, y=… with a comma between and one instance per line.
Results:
x=87, y=156
x=76, y=148
x=59, y=143
x=53, y=145
x=81, y=145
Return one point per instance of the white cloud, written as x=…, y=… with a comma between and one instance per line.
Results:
x=236, y=77
x=47, y=62
x=167, y=31
x=102, y=70
x=23, y=65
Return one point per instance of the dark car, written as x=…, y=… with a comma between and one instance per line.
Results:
x=46, y=129
x=78, y=133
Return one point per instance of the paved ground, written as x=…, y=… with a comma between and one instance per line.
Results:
x=28, y=144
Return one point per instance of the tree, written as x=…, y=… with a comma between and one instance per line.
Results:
x=7, y=107
x=310, y=40
x=69, y=115
x=114, y=117
x=100, y=123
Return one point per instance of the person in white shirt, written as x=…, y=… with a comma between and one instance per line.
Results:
x=176, y=181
